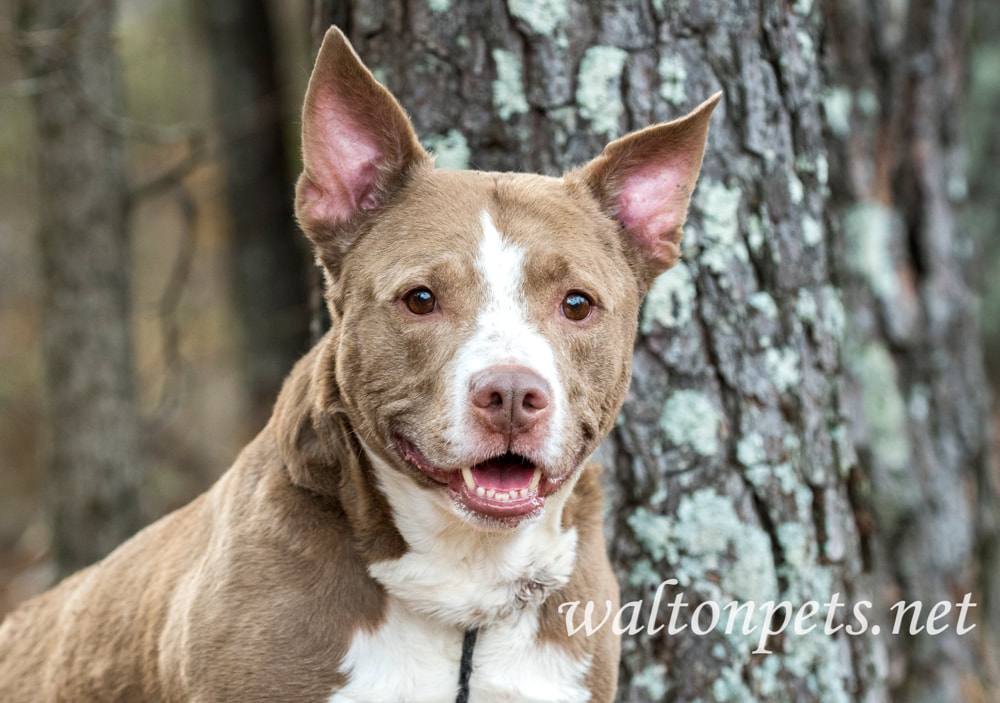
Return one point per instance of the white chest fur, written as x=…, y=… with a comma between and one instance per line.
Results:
x=454, y=577
x=461, y=575
x=412, y=658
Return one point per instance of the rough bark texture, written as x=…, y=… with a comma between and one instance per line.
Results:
x=807, y=414
x=259, y=190
x=982, y=217
x=917, y=395
x=92, y=421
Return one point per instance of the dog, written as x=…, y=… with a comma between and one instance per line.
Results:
x=420, y=503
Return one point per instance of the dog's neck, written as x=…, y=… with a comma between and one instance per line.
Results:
x=320, y=454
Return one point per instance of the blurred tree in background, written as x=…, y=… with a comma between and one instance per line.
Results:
x=809, y=411
x=982, y=216
x=269, y=256
x=92, y=438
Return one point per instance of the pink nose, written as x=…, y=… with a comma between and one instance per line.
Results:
x=509, y=399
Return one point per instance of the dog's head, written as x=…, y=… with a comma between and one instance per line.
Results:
x=483, y=322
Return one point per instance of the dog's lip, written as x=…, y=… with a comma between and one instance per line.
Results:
x=409, y=453
x=516, y=504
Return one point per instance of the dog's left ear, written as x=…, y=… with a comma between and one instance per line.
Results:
x=645, y=181
x=357, y=142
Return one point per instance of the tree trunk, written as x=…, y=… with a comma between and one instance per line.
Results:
x=269, y=258
x=807, y=413
x=94, y=468
x=917, y=392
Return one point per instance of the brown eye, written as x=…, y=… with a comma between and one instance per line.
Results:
x=420, y=301
x=576, y=306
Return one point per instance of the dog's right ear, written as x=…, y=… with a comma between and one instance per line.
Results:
x=357, y=143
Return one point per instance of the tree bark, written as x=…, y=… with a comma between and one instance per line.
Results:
x=268, y=255
x=807, y=414
x=917, y=391
x=94, y=468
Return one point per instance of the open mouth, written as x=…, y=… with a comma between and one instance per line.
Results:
x=507, y=488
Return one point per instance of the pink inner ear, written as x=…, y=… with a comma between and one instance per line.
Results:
x=653, y=204
x=342, y=160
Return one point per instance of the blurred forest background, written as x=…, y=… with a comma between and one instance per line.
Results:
x=221, y=292
x=201, y=393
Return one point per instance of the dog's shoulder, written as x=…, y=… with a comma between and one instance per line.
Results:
x=200, y=597
x=89, y=637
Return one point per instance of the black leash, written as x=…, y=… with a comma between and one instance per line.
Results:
x=465, y=668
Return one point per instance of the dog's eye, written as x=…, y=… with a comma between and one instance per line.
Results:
x=576, y=306
x=420, y=301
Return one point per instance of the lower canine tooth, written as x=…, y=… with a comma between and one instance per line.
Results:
x=535, y=479
x=524, y=492
x=480, y=491
x=469, y=481
x=490, y=493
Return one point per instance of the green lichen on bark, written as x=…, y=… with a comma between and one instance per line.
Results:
x=691, y=419
x=598, y=91
x=508, y=88
x=670, y=301
x=543, y=16
x=450, y=150
x=673, y=79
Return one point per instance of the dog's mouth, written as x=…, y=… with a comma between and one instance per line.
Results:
x=505, y=489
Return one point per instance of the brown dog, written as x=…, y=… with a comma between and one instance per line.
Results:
x=424, y=471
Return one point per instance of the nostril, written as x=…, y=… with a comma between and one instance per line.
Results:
x=534, y=401
x=488, y=397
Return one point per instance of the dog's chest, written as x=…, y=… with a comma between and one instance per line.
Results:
x=414, y=659
x=452, y=577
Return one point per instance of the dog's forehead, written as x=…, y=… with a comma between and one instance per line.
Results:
x=441, y=219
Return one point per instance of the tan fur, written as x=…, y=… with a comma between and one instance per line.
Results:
x=255, y=590
x=242, y=595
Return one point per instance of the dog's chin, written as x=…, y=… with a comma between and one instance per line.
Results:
x=499, y=492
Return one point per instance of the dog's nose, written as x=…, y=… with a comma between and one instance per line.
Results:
x=509, y=399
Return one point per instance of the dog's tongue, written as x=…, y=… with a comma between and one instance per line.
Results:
x=503, y=473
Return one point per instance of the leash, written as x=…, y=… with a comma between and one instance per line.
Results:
x=465, y=668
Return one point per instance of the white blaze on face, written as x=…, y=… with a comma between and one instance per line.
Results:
x=503, y=336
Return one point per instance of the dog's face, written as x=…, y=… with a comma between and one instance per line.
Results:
x=486, y=335
x=483, y=321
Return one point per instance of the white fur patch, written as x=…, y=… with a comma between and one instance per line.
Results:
x=507, y=668
x=411, y=659
x=408, y=658
x=503, y=336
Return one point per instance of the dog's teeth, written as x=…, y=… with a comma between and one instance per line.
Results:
x=535, y=479
x=480, y=491
x=524, y=492
x=469, y=481
x=490, y=493
x=502, y=496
